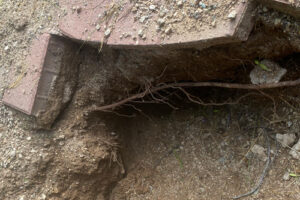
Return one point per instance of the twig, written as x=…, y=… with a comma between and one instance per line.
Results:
x=196, y=84
x=119, y=114
x=162, y=73
x=200, y=102
x=263, y=175
x=162, y=100
x=244, y=157
x=286, y=102
x=273, y=100
x=140, y=111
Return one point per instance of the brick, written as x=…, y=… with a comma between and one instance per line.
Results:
x=51, y=70
x=22, y=93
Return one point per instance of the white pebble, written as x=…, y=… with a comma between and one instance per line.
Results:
x=98, y=27
x=107, y=32
x=152, y=7
x=232, y=15
x=286, y=176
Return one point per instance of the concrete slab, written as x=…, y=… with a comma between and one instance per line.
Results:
x=84, y=21
x=49, y=78
x=21, y=95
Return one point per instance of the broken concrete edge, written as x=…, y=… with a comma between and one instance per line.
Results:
x=180, y=45
x=15, y=96
x=282, y=6
x=245, y=25
x=205, y=43
x=58, y=80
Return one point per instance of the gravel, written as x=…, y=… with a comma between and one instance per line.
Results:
x=21, y=150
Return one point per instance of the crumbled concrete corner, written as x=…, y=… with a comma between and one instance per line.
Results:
x=61, y=64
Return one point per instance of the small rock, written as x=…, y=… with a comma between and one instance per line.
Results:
x=107, y=32
x=141, y=33
x=143, y=19
x=113, y=133
x=43, y=196
x=161, y=22
x=168, y=30
x=20, y=24
x=197, y=14
x=277, y=21
x=134, y=10
x=78, y=9
x=232, y=15
x=289, y=124
x=295, y=152
x=202, y=189
x=286, y=176
x=98, y=27
x=157, y=28
x=202, y=5
x=6, y=48
x=12, y=154
x=162, y=14
x=260, y=151
x=62, y=137
x=213, y=23
x=152, y=7
x=286, y=139
x=272, y=75
x=179, y=3
x=28, y=138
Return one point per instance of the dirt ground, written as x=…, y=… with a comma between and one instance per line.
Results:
x=195, y=152
x=201, y=153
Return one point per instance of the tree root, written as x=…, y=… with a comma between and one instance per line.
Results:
x=152, y=90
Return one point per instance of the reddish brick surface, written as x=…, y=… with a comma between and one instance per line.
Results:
x=51, y=64
x=22, y=95
x=81, y=26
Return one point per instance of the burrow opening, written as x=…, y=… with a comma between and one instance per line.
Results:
x=159, y=139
